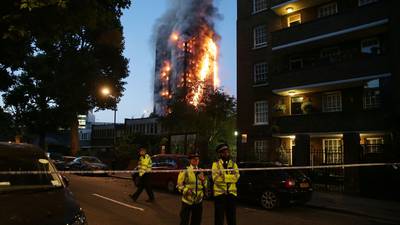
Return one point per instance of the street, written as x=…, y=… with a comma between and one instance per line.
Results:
x=106, y=202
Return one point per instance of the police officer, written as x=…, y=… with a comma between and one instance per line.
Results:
x=192, y=184
x=144, y=167
x=225, y=174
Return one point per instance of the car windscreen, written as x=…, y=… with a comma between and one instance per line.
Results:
x=46, y=177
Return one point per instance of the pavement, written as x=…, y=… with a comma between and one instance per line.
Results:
x=373, y=208
x=105, y=201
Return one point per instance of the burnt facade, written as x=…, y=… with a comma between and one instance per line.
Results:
x=317, y=81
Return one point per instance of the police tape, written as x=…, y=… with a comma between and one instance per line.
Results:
x=395, y=166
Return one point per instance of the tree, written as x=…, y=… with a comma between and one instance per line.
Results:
x=213, y=120
x=84, y=39
x=7, y=128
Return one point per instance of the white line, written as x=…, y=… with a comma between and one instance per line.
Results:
x=119, y=203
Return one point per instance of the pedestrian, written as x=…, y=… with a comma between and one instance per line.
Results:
x=193, y=186
x=225, y=174
x=144, y=167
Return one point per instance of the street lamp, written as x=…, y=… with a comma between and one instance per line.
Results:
x=105, y=91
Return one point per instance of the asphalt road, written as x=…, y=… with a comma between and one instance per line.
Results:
x=106, y=202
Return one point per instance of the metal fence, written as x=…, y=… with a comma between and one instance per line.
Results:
x=327, y=179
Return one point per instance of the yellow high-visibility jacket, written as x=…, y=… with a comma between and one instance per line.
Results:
x=191, y=186
x=225, y=181
x=144, y=164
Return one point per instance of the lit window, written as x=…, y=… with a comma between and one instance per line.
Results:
x=261, y=113
x=260, y=150
x=260, y=72
x=296, y=63
x=244, y=138
x=332, y=102
x=327, y=10
x=370, y=46
x=294, y=20
x=365, y=2
x=332, y=149
x=332, y=54
x=372, y=94
x=374, y=145
x=259, y=5
x=260, y=36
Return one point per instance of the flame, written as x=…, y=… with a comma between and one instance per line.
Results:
x=174, y=36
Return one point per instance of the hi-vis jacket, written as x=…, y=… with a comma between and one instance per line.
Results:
x=225, y=181
x=191, y=186
x=144, y=164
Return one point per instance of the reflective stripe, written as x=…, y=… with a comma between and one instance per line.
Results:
x=225, y=181
x=186, y=184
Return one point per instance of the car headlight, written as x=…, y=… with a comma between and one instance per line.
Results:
x=79, y=219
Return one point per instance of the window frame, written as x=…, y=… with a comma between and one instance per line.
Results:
x=263, y=74
x=289, y=22
x=338, y=108
x=337, y=156
x=255, y=37
x=295, y=60
x=368, y=49
x=260, y=148
x=374, y=147
x=254, y=3
x=327, y=8
x=257, y=120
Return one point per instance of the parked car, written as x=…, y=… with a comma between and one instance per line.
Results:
x=273, y=188
x=31, y=199
x=58, y=161
x=87, y=163
x=165, y=162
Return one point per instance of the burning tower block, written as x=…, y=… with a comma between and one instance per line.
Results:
x=186, y=55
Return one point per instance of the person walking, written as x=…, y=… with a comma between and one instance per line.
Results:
x=225, y=174
x=144, y=167
x=192, y=184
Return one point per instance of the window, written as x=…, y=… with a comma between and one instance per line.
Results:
x=295, y=63
x=259, y=5
x=294, y=20
x=244, y=138
x=260, y=36
x=371, y=94
x=332, y=102
x=296, y=105
x=327, y=10
x=331, y=54
x=261, y=113
x=260, y=72
x=260, y=150
x=374, y=145
x=370, y=46
x=332, y=149
x=365, y=2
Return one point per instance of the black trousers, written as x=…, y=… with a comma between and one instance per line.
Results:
x=144, y=183
x=192, y=213
x=225, y=206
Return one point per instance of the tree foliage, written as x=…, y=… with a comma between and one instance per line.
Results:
x=213, y=120
x=57, y=54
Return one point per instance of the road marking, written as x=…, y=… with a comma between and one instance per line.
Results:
x=119, y=203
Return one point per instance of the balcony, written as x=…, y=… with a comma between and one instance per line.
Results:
x=331, y=122
x=347, y=70
x=366, y=17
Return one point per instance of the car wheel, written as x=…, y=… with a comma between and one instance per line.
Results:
x=269, y=200
x=171, y=187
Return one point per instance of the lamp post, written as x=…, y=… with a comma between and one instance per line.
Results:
x=105, y=91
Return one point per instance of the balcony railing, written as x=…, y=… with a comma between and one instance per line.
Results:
x=348, y=21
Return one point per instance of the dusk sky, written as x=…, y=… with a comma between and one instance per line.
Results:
x=138, y=23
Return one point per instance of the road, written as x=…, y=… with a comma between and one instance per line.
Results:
x=106, y=202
